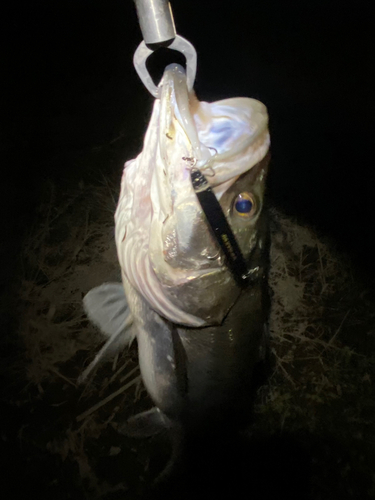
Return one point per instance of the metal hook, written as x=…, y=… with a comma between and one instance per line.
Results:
x=191, y=159
x=206, y=169
x=211, y=147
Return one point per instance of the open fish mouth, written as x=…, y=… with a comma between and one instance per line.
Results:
x=165, y=247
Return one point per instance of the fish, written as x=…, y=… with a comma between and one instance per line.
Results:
x=200, y=335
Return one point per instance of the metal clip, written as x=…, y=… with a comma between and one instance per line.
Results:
x=157, y=26
x=179, y=44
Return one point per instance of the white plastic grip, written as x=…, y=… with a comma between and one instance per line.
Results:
x=180, y=44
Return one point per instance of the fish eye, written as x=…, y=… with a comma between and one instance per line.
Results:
x=244, y=205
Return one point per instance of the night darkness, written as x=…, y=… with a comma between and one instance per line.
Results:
x=70, y=95
x=70, y=85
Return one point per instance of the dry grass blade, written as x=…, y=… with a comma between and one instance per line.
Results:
x=107, y=399
x=317, y=308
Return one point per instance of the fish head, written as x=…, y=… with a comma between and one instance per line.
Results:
x=166, y=248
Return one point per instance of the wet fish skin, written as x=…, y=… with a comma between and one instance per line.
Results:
x=199, y=335
x=201, y=380
x=199, y=376
x=195, y=376
x=164, y=244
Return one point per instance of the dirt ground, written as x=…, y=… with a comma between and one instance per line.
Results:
x=312, y=434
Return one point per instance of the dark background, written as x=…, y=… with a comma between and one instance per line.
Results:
x=69, y=86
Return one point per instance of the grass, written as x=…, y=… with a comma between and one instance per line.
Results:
x=320, y=389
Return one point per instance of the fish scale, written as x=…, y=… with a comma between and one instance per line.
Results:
x=200, y=335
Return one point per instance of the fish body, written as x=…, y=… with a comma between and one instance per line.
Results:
x=199, y=334
x=202, y=377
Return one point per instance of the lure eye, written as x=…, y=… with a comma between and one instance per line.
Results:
x=244, y=205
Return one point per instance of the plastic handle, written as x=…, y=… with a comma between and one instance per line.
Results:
x=179, y=44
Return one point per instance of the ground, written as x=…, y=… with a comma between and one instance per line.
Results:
x=312, y=433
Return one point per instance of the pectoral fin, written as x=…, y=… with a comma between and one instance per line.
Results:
x=107, y=308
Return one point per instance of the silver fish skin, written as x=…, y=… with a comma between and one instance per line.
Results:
x=201, y=378
x=199, y=335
